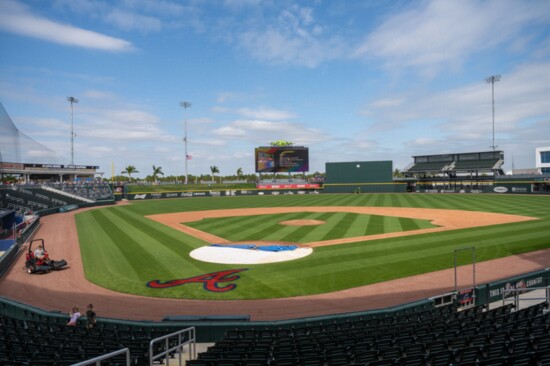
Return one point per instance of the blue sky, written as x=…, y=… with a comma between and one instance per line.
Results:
x=352, y=80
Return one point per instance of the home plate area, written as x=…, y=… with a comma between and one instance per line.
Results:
x=245, y=253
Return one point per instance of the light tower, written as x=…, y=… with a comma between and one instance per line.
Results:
x=72, y=100
x=492, y=80
x=185, y=105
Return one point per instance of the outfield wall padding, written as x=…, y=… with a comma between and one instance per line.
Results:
x=359, y=172
x=219, y=193
x=365, y=188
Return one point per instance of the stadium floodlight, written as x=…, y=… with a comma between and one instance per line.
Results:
x=72, y=100
x=185, y=105
x=492, y=80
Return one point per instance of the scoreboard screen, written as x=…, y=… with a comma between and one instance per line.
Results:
x=275, y=159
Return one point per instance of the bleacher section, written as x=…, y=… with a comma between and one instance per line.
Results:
x=427, y=167
x=452, y=164
x=32, y=198
x=94, y=191
x=441, y=336
x=37, y=343
x=476, y=165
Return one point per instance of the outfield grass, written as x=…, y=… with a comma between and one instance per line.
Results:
x=122, y=250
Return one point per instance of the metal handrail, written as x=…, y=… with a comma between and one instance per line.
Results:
x=97, y=360
x=177, y=348
x=516, y=292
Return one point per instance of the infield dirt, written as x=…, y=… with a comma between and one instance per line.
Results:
x=444, y=219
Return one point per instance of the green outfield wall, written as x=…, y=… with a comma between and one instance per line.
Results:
x=361, y=177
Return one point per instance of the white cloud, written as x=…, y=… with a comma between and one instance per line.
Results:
x=17, y=18
x=98, y=94
x=447, y=33
x=229, y=131
x=293, y=38
x=460, y=119
x=265, y=113
x=129, y=21
x=123, y=125
x=47, y=123
x=260, y=132
x=260, y=113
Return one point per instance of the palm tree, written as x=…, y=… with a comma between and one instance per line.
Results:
x=156, y=172
x=214, y=169
x=239, y=173
x=129, y=170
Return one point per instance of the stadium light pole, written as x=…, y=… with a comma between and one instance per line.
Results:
x=185, y=105
x=492, y=80
x=72, y=100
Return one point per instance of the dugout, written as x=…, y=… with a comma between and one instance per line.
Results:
x=361, y=177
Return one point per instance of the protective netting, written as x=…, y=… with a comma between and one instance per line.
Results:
x=16, y=147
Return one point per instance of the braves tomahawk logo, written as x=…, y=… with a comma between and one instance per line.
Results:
x=210, y=281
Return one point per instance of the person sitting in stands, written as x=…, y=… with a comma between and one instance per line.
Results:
x=74, y=314
x=90, y=317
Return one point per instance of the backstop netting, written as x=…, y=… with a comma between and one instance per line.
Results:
x=16, y=147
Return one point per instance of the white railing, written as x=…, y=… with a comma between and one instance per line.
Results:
x=178, y=348
x=516, y=295
x=97, y=360
x=53, y=190
x=41, y=196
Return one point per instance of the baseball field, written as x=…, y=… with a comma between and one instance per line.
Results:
x=357, y=240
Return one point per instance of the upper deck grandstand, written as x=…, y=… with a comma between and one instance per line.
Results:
x=487, y=162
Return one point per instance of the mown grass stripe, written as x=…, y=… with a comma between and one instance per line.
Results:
x=376, y=225
x=328, y=268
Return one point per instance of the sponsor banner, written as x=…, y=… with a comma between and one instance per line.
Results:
x=289, y=186
x=520, y=190
x=500, y=289
x=157, y=195
x=11, y=166
x=500, y=189
x=225, y=193
x=466, y=297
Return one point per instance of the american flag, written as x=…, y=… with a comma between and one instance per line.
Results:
x=189, y=157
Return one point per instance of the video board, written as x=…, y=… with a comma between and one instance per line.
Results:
x=276, y=159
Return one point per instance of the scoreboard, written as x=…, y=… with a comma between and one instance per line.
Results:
x=275, y=159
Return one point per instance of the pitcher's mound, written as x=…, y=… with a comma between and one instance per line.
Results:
x=247, y=254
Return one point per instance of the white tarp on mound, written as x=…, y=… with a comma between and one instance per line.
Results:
x=228, y=255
